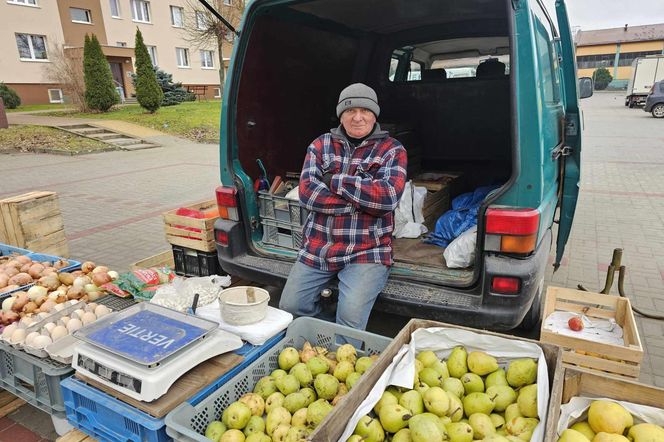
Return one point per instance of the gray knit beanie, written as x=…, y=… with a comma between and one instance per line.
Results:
x=358, y=95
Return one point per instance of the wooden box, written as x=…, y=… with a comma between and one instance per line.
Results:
x=334, y=424
x=159, y=260
x=33, y=221
x=622, y=360
x=589, y=383
x=178, y=233
x=438, y=199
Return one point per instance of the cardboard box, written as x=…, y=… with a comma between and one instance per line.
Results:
x=334, y=424
x=624, y=360
x=33, y=221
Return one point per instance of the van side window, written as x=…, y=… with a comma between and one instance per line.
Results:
x=548, y=61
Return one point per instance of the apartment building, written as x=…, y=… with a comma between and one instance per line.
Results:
x=33, y=33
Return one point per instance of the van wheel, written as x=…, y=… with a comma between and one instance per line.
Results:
x=533, y=317
x=658, y=110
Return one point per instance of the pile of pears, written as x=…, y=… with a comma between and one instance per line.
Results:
x=468, y=397
x=293, y=400
x=609, y=421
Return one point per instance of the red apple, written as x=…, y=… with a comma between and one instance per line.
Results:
x=575, y=323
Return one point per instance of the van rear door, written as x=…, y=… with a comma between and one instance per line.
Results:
x=570, y=154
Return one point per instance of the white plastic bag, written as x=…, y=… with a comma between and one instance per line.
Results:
x=461, y=252
x=179, y=294
x=408, y=218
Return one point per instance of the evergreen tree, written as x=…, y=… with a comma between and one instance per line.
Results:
x=9, y=96
x=602, y=78
x=100, y=92
x=148, y=92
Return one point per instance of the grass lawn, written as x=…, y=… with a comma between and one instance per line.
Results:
x=195, y=120
x=30, y=138
x=38, y=107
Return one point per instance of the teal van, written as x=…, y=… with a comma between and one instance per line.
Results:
x=484, y=88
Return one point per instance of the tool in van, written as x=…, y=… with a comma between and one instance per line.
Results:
x=261, y=183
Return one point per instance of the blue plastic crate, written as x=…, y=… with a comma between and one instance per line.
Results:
x=6, y=249
x=104, y=417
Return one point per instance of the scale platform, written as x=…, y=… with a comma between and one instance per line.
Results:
x=141, y=351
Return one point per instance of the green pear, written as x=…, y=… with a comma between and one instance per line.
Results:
x=256, y=424
x=396, y=391
x=343, y=369
x=232, y=435
x=355, y=438
x=214, y=430
x=278, y=373
x=370, y=429
x=273, y=401
x=454, y=386
x=238, y=415
x=386, y=398
x=317, y=411
x=444, y=420
x=288, y=357
x=436, y=401
x=497, y=419
x=527, y=400
x=363, y=364
x=498, y=438
x=347, y=352
x=482, y=425
x=420, y=387
x=646, y=433
x=352, y=379
x=326, y=386
x=455, y=410
x=426, y=427
x=309, y=394
x=287, y=384
x=472, y=383
x=570, y=435
x=258, y=437
x=521, y=372
x=302, y=373
x=294, y=402
x=583, y=427
x=277, y=417
x=512, y=411
x=522, y=427
x=457, y=363
x=279, y=434
x=394, y=417
x=265, y=386
x=318, y=365
x=481, y=363
x=296, y=434
x=459, y=432
x=255, y=402
x=427, y=357
x=477, y=403
x=299, y=418
x=608, y=417
x=495, y=378
x=609, y=437
x=412, y=400
x=402, y=435
x=441, y=368
x=502, y=396
x=430, y=377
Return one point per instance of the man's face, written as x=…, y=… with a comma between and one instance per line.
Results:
x=358, y=121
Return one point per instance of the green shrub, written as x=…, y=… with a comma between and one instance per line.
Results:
x=9, y=96
x=174, y=93
x=148, y=92
x=602, y=78
x=100, y=92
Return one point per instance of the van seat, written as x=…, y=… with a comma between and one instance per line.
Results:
x=489, y=68
x=434, y=74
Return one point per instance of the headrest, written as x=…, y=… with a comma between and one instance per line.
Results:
x=491, y=67
x=434, y=74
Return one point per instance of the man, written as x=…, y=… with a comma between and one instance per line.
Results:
x=351, y=183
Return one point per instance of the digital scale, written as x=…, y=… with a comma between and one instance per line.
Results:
x=142, y=350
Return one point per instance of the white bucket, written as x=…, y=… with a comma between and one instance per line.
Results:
x=235, y=310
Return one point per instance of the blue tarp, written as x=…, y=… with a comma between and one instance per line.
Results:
x=461, y=217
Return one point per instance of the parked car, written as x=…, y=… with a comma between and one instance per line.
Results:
x=519, y=127
x=646, y=71
x=655, y=101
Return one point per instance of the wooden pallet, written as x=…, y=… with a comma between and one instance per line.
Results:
x=33, y=221
x=175, y=227
x=75, y=436
x=9, y=403
x=623, y=360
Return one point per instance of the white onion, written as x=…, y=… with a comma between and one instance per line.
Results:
x=7, y=304
x=113, y=274
x=81, y=281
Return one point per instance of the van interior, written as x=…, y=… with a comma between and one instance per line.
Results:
x=441, y=69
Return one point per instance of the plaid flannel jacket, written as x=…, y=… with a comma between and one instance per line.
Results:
x=353, y=220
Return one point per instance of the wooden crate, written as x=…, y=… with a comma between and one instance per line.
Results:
x=589, y=383
x=162, y=259
x=436, y=203
x=33, y=221
x=624, y=360
x=177, y=234
x=334, y=424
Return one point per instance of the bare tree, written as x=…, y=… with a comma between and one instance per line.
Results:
x=66, y=69
x=203, y=28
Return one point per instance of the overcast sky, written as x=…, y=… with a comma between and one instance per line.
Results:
x=600, y=14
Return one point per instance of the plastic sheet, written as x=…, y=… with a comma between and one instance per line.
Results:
x=408, y=218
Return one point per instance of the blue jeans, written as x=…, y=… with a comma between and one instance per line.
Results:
x=359, y=286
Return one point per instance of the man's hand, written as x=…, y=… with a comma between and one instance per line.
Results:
x=327, y=178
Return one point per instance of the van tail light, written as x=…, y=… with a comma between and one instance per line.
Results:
x=505, y=285
x=221, y=237
x=227, y=203
x=511, y=230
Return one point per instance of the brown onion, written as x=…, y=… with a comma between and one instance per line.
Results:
x=23, y=259
x=59, y=264
x=77, y=273
x=100, y=269
x=9, y=288
x=11, y=271
x=87, y=266
x=25, y=267
x=21, y=300
x=30, y=307
x=66, y=278
x=20, y=279
x=100, y=279
x=35, y=270
x=15, y=264
x=4, y=280
x=51, y=282
x=49, y=271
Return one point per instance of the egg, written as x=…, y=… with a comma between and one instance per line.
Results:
x=40, y=342
x=74, y=324
x=18, y=336
x=42, y=315
x=27, y=320
x=102, y=310
x=65, y=320
x=59, y=332
x=58, y=307
x=7, y=332
x=88, y=318
x=49, y=326
x=78, y=313
x=91, y=307
x=73, y=301
x=30, y=338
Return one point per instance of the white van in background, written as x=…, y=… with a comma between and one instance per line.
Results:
x=646, y=71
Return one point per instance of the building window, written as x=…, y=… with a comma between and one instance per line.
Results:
x=23, y=2
x=182, y=55
x=121, y=44
x=140, y=11
x=80, y=15
x=207, y=59
x=201, y=21
x=31, y=47
x=177, y=16
x=115, y=8
x=55, y=96
x=152, y=50
x=595, y=61
x=627, y=58
x=217, y=92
